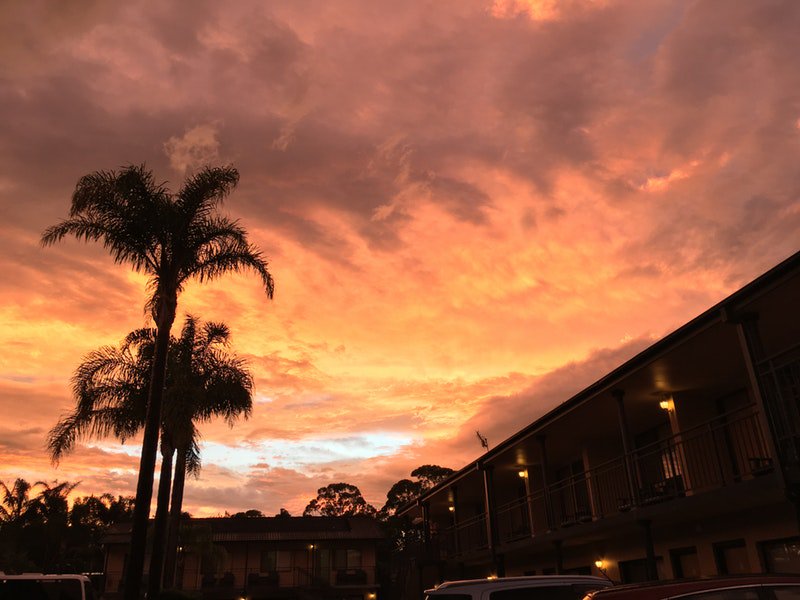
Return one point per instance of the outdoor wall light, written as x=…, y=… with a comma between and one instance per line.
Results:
x=667, y=403
x=311, y=546
x=523, y=473
x=600, y=563
x=490, y=577
x=451, y=508
x=371, y=596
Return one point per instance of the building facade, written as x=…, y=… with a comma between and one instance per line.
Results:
x=266, y=557
x=683, y=461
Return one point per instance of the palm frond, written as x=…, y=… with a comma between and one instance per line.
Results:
x=205, y=190
x=232, y=259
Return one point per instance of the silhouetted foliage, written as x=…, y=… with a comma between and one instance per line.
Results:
x=284, y=513
x=203, y=380
x=405, y=490
x=339, y=500
x=248, y=514
x=171, y=238
x=431, y=475
x=39, y=532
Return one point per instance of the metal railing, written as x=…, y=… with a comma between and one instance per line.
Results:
x=726, y=450
x=467, y=536
x=780, y=379
x=192, y=579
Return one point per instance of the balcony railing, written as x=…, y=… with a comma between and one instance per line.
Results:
x=780, y=378
x=215, y=584
x=467, y=536
x=729, y=449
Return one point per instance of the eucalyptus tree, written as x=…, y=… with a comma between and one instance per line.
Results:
x=171, y=238
x=203, y=381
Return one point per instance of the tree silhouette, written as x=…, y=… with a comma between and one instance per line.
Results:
x=203, y=381
x=171, y=238
x=431, y=475
x=339, y=500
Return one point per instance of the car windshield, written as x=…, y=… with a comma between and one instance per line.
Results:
x=40, y=589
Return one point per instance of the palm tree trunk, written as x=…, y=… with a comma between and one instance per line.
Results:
x=147, y=462
x=176, y=506
x=160, y=524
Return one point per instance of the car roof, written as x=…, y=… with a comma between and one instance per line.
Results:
x=515, y=582
x=656, y=590
x=44, y=576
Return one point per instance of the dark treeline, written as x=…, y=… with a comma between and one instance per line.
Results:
x=40, y=532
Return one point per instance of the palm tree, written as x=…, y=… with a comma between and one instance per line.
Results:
x=207, y=382
x=15, y=501
x=203, y=381
x=172, y=238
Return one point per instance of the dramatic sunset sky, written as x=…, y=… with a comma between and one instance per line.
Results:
x=472, y=209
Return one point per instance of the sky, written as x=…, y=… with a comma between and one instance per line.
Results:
x=472, y=209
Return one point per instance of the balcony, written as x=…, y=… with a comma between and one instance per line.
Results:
x=721, y=452
x=230, y=584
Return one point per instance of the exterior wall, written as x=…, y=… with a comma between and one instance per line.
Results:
x=115, y=562
x=754, y=527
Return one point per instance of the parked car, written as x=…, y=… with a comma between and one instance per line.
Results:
x=37, y=586
x=544, y=587
x=738, y=587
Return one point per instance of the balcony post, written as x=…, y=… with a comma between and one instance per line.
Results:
x=559, y=557
x=529, y=500
x=548, y=509
x=650, y=551
x=630, y=472
x=752, y=349
x=491, y=529
x=455, y=517
x=426, y=525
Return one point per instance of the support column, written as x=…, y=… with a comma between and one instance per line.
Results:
x=627, y=447
x=548, y=508
x=529, y=501
x=752, y=349
x=455, y=516
x=559, y=557
x=426, y=525
x=491, y=526
x=650, y=552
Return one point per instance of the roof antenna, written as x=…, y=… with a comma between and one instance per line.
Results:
x=484, y=441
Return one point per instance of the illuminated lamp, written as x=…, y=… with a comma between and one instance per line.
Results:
x=667, y=403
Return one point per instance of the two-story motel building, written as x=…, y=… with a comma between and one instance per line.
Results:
x=683, y=461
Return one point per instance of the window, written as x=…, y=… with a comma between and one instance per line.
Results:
x=347, y=559
x=269, y=561
x=781, y=556
x=731, y=557
x=45, y=589
x=571, y=494
x=633, y=571
x=685, y=563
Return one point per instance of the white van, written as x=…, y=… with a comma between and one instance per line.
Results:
x=544, y=587
x=37, y=586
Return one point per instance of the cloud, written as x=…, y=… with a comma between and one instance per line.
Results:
x=461, y=203
x=196, y=148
